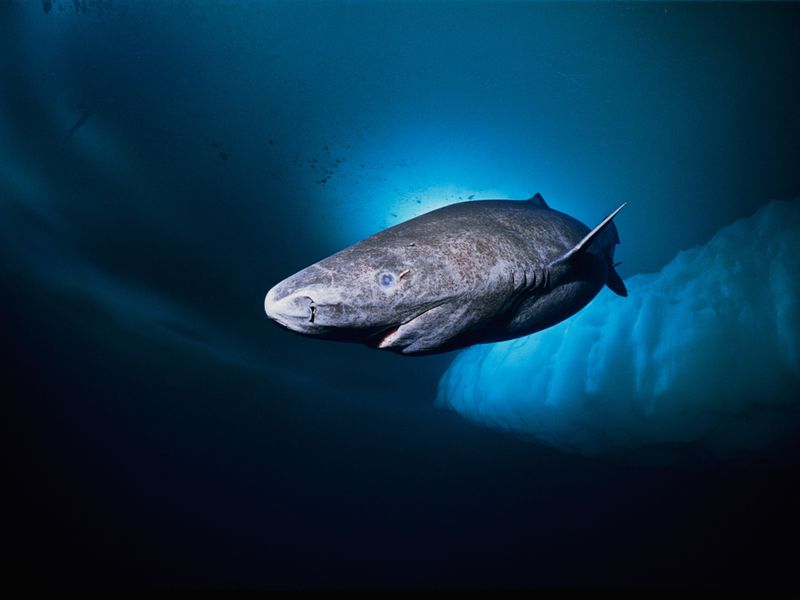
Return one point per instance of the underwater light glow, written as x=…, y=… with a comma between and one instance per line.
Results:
x=418, y=167
x=704, y=353
x=415, y=203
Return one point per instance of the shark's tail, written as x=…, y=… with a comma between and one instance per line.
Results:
x=613, y=280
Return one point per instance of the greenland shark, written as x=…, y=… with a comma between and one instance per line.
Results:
x=467, y=273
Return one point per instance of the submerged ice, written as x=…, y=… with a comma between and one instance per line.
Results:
x=704, y=353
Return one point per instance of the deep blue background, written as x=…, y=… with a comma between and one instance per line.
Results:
x=163, y=164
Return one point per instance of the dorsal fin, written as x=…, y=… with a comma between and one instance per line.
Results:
x=584, y=244
x=538, y=200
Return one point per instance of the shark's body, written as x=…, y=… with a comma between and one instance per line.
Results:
x=468, y=273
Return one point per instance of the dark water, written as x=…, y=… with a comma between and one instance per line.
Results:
x=163, y=164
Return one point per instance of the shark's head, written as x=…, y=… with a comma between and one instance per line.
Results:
x=388, y=291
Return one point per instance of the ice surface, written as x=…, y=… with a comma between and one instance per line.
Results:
x=702, y=354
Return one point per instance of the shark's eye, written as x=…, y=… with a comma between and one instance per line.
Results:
x=386, y=279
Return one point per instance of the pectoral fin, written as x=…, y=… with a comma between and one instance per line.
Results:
x=584, y=244
x=560, y=266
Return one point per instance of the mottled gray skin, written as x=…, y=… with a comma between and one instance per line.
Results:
x=468, y=273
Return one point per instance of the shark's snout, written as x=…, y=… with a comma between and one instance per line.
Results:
x=305, y=304
x=295, y=310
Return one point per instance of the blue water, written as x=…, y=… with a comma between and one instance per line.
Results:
x=163, y=164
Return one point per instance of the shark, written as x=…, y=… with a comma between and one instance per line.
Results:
x=469, y=273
